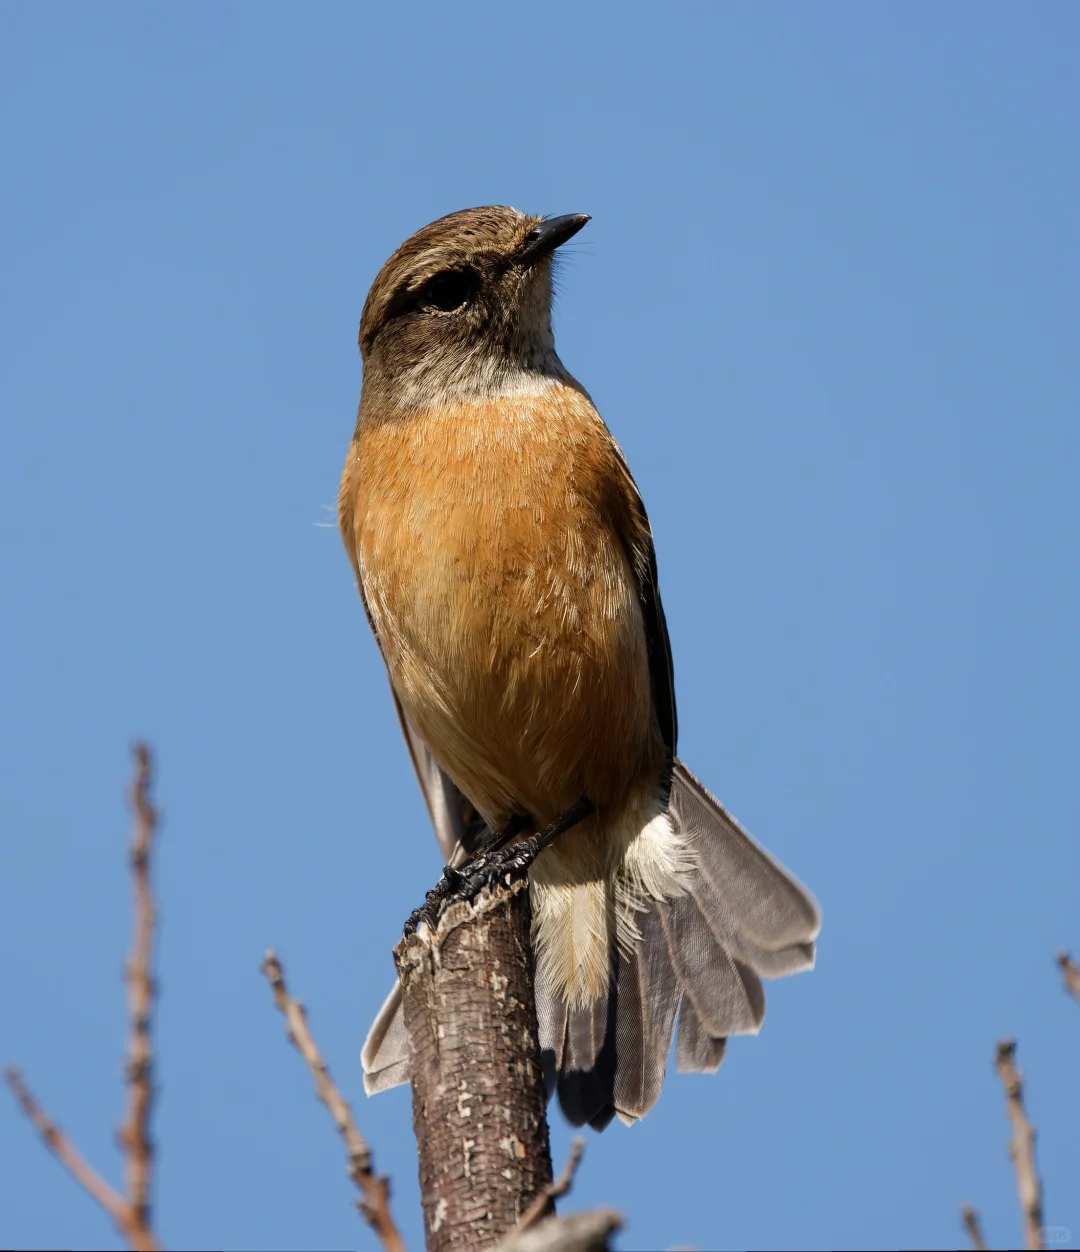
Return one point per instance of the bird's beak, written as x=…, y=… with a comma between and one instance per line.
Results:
x=549, y=235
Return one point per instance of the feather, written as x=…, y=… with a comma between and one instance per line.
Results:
x=551, y=1022
x=385, y=1055
x=585, y=1031
x=587, y=1079
x=726, y=995
x=697, y=1053
x=648, y=1000
x=701, y=955
x=448, y=807
x=756, y=901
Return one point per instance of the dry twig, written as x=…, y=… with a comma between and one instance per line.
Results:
x=545, y=1201
x=580, y=1232
x=1070, y=974
x=374, y=1189
x=1022, y=1147
x=970, y=1218
x=135, y=1131
x=61, y=1146
x=131, y=1213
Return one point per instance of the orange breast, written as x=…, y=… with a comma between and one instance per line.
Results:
x=504, y=601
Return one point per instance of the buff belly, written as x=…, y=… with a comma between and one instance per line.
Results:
x=507, y=614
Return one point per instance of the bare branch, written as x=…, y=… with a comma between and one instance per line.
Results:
x=374, y=1189
x=1022, y=1147
x=544, y=1204
x=65, y=1151
x=131, y=1214
x=135, y=1132
x=970, y=1219
x=580, y=1232
x=1070, y=974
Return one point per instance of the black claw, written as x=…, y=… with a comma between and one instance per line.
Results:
x=467, y=883
x=435, y=901
x=503, y=864
x=505, y=861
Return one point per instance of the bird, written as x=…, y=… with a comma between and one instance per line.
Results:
x=507, y=568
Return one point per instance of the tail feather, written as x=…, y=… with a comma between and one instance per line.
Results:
x=763, y=905
x=697, y=1051
x=586, y=1081
x=586, y=1029
x=551, y=1015
x=726, y=994
x=648, y=994
x=701, y=957
x=385, y=1055
x=742, y=918
x=779, y=963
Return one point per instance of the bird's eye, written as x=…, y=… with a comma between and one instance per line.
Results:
x=449, y=291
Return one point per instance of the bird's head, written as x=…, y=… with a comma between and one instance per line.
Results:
x=463, y=309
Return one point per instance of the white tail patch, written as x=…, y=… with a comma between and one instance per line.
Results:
x=656, y=865
x=570, y=934
x=578, y=897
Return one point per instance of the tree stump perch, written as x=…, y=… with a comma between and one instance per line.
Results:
x=477, y=1085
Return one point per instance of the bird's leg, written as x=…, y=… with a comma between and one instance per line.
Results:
x=452, y=877
x=499, y=857
x=517, y=857
x=492, y=841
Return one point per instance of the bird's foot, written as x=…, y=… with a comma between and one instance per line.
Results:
x=435, y=901
x=505, y=862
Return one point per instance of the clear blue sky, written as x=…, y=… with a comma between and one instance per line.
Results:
x=828, y=304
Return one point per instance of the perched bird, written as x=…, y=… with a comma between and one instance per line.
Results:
x=506, y=564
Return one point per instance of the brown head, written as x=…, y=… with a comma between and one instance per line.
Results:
x=463, y=309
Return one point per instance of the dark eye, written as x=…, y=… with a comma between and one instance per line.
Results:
x=449, y=291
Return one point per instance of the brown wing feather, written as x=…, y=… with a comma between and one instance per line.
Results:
x=636, y=534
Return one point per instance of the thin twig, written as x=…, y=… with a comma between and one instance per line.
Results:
x=130, y=1213
x=1070, y=974
x=1022, y=1147
x=580, y=1232
x=65, y=1151
x=545, y=1201
x=374, y=1189
x=970, y=1218
x=134, y=1133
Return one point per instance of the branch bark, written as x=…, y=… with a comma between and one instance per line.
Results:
x=477, y=1085
x=544, y=1204
x=374, y=1188
x=1022, y=1147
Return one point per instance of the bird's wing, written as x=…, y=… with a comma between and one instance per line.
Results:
x=636, y=534
x=457, y=825
x=385, y=1055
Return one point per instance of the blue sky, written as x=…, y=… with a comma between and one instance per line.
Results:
x=828, y=305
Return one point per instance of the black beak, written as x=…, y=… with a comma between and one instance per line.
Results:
x=549, y=235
